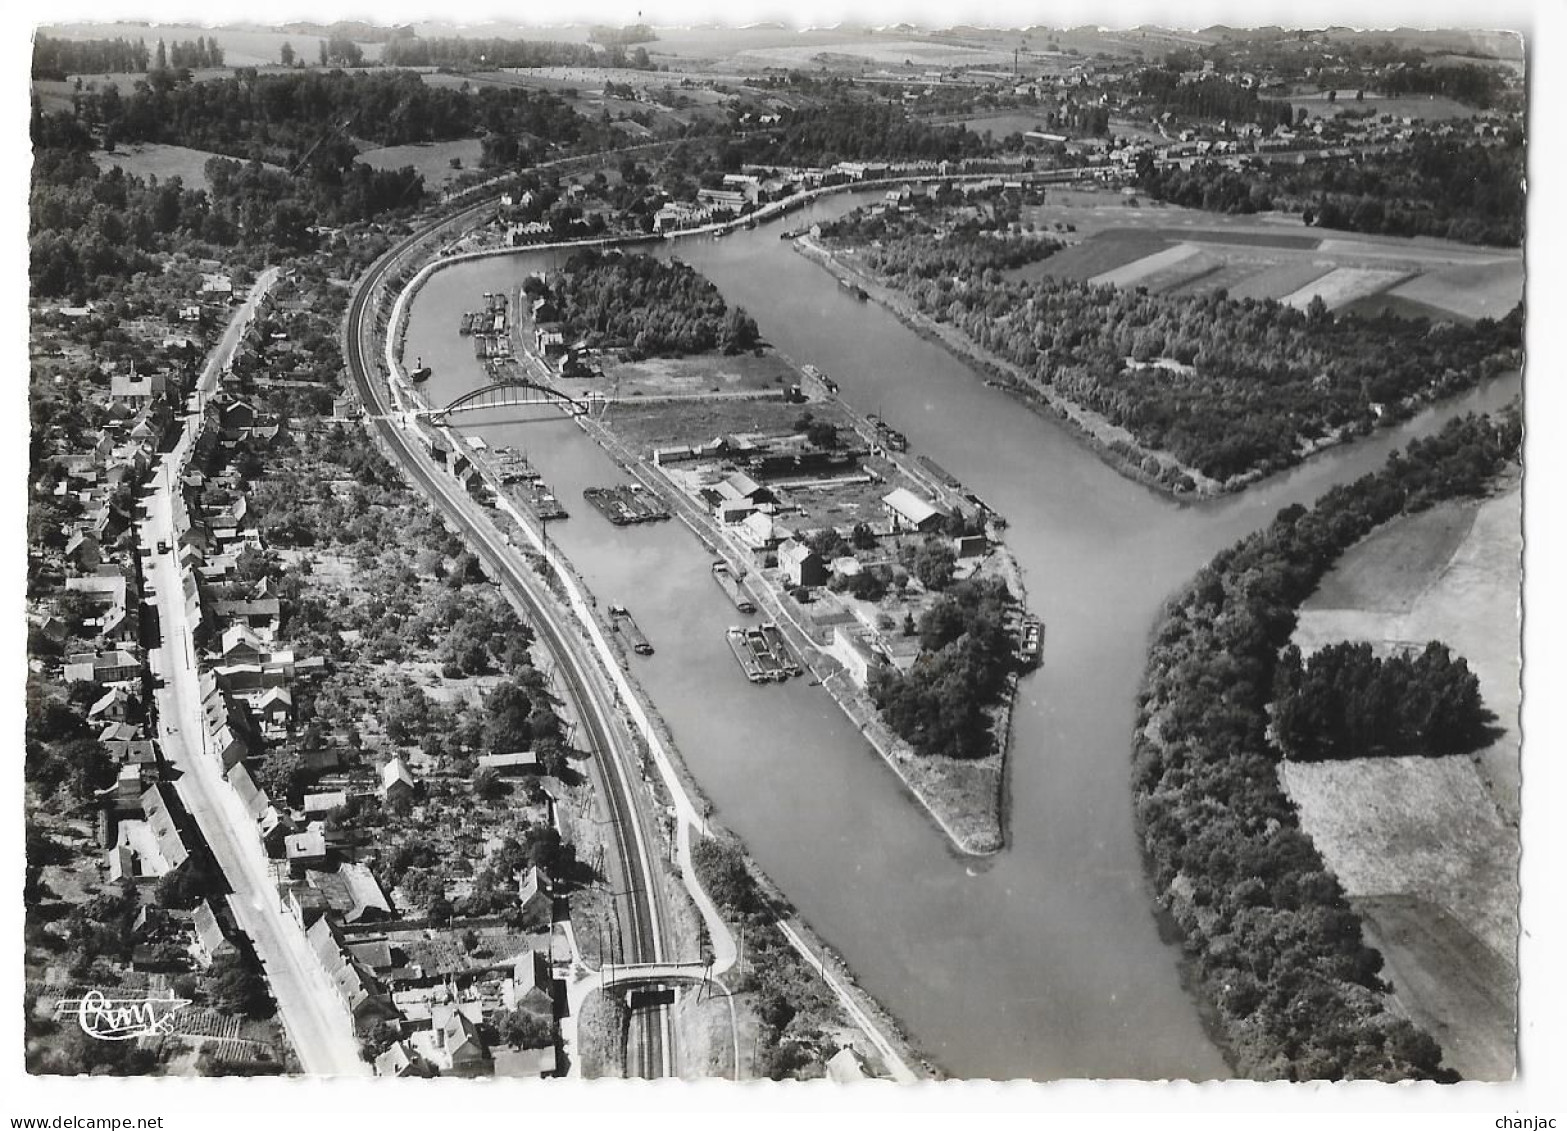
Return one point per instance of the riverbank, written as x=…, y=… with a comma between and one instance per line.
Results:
x=1113, y=444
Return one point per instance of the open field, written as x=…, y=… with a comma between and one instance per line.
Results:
x=1434, y=107
x=1441, y=971
x=1475, y=290
x=161, y=161
x=1344, y=285
x=1422, y=850
x=1428, y=847
x=1418, y=580
x=875, y=50
x=714, y=373
x=1271, y=256
x=432, y=160
x=1004, y=125
x=645, y=427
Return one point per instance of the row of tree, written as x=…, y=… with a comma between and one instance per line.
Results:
x=1273, y=944
x=1347, y=702
x=58, y=58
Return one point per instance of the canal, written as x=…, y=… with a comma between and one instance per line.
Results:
x=1045, y=961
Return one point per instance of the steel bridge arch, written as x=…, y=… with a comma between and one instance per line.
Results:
x=504, y=394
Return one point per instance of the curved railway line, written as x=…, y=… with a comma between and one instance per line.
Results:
x=640, y=896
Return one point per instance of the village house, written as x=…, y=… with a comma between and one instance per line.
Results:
x=397, y=782
x=801, y=565
x=852, y=648
x=366, y=1000
x=211, y=941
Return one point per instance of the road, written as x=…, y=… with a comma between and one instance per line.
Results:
x=314, y=1016
x=633, y=872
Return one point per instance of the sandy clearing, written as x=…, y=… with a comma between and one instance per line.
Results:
x=1344, y=285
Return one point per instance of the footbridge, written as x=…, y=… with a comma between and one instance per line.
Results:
x=511, y=394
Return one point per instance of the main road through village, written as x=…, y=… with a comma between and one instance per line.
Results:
x=1043, y=961
x=313, y=1014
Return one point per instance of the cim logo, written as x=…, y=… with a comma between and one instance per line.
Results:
x=122, y=1019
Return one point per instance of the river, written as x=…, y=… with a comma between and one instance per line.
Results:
x=1046, y=960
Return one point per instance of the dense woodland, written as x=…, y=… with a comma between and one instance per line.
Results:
x=91, y=229
x=1253, y=382
x=857, y=131
x=1161, y=90
x=653, y=307
x=1442, y=187
x=943, y=237
x=1273, y=944
x=941, y=705
x=284, y=117
x=1347, y=702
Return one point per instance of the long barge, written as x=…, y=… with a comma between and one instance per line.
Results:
x=627, y=504
x=762, y=653
x=730, y=584
x=536, y=496
x=620, y=617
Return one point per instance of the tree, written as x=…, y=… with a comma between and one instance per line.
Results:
x=522, y=1029
x=237, y=987
x=286, y=54
x=161, y=58
x=934, y=563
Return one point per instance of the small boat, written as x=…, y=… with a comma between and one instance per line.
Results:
x=1032, y=641
x=421, y=371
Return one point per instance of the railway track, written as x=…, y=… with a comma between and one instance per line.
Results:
x=640, y=897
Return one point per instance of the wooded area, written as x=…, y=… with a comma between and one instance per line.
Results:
x=653, y=307
x=1344, y=701
x=1440, y=187
x=1273, y=945
x=941, y=705
x=1252, y=383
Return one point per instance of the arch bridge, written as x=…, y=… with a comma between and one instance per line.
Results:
x=510, y=394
